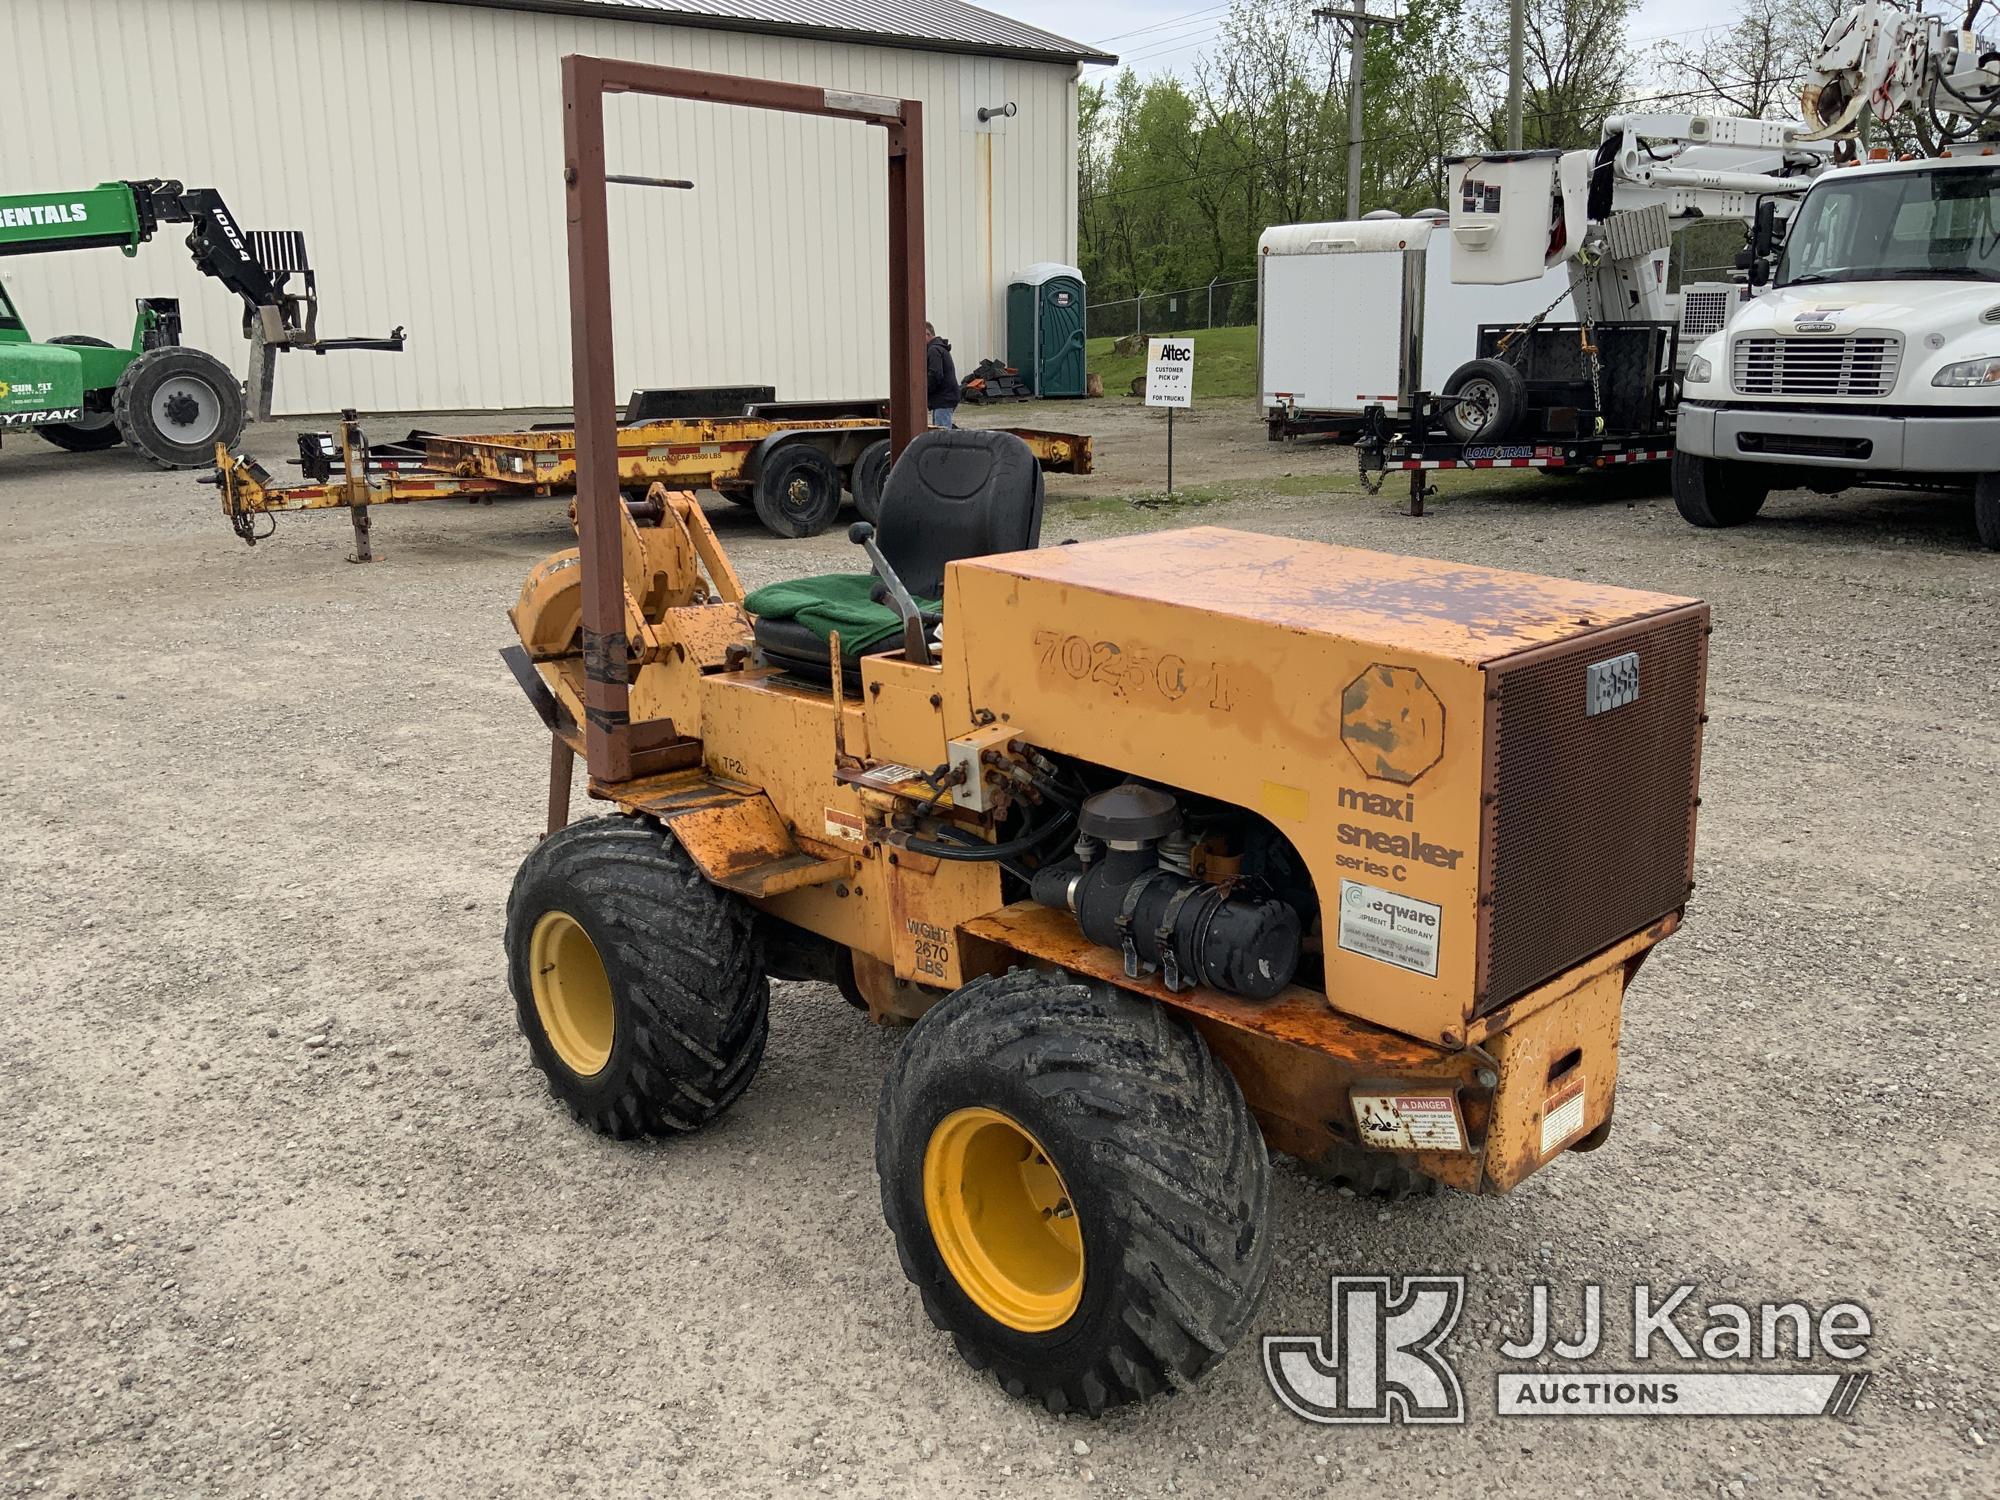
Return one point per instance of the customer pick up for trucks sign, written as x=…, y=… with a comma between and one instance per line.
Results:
x=1170, y=373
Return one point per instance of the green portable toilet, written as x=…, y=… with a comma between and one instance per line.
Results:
x=1045, y=328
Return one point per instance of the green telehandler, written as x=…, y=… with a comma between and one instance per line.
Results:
x=171, y=403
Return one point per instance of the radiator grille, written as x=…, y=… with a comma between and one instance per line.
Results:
x=1589, y=832
x=1704, y=312
x=1865, y=365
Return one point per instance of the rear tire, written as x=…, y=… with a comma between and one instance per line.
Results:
x=1711, y=492
x=173, y=405
x=638, y=983
x=1370, y=1174
x=871, y=477
x=1146, y=1263
x=1494, y=399
x=798, y=491
x=1986, y=510
x=98, y=430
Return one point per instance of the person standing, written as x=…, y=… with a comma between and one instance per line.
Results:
x=940, y=378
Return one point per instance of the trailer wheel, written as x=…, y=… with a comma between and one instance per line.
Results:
x=745, y=498
x=1076, y=1189
x=1492, y=399
x=96, y=431
x=174, y=404
x=871, y=477
x=798, y=491
x=638, y=984
x=1715, y=492
x=1986, y=510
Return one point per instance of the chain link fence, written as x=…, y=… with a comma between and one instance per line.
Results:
x=1220, y=304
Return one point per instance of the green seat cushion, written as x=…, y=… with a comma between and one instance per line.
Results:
x=830, y=602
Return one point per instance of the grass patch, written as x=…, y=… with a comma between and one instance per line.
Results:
x=1225, y=363
x=1139, y=505
x=1143, y=502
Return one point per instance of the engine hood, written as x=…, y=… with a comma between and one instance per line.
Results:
x=1911, y=308
x=1937, y=322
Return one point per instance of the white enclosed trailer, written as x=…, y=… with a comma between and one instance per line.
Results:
x=1365, y=312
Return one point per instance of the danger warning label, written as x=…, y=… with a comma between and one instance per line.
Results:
x=1409, y=1122
x=1562, y=1114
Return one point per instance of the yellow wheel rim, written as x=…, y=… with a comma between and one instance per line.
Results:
x=1002, y=1219
x=572, y=993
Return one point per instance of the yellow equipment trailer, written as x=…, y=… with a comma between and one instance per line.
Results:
x=1176, y=850
x=790, y=470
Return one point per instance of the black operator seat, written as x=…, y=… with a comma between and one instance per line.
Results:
x=955, y=493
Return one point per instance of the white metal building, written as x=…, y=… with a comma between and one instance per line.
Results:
x=418, y=143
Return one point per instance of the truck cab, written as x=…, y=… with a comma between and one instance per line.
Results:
x=1872, y=357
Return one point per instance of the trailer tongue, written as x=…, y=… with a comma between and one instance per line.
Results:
x=789, y=462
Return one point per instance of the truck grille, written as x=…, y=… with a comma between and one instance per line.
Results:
x=1704, y=310
x=1765, y=365
x=1589, y=829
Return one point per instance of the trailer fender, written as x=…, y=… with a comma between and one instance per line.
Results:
x=841, y=444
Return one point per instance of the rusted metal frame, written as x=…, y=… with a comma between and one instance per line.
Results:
x=909, y=414
x=707, y=550
x=608, y=736
x=1295, y=1057
x=354, y=465
x=562, y=764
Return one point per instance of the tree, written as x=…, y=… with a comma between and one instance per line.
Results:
x=1177, y=180
x=1576, y=69
x=1755, y=66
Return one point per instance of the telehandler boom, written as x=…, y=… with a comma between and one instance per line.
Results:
x=171, y=403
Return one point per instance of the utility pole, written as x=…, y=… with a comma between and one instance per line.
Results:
x=1358, y=21
x=1515, y=26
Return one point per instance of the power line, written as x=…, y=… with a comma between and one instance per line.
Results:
x=1405, y=137
x=1664, y=36
x=1171, y=44
x=1158, y=25
x=1154, y=53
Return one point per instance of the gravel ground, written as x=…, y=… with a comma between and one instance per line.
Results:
x=284, y=1210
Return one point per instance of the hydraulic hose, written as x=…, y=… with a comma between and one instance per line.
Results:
x=977, y=852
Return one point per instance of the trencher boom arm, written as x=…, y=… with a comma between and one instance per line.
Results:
x=258, y=265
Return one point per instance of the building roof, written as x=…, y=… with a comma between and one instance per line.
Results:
x=922, y=25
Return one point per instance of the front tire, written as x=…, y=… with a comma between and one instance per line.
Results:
x=638, y=983
x=1711, y=492
x=174, y=404
x=1370, y=1174
x=1986, y=510
x=98, y=430
x=1076, y=1189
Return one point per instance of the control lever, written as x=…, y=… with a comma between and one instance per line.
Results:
x=916, y=642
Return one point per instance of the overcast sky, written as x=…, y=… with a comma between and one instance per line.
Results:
x=1170, y=34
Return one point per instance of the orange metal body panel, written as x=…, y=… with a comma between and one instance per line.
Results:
x=1253, y=669
x=1276, y=675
